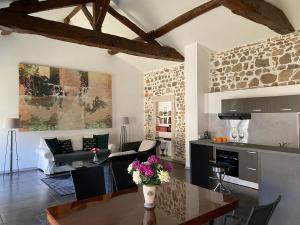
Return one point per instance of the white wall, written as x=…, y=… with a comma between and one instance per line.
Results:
x=196, y=70
x=213, y=100
x=127, y=84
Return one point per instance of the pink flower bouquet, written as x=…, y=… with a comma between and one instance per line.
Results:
x=151, y=172
x=95, y=150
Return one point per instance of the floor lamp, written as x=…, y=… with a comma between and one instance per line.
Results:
x=123, y=134
x=11, y=124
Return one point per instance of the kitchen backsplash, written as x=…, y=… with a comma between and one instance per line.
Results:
x=263, y=128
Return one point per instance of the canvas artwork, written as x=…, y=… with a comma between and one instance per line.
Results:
x=63, y=99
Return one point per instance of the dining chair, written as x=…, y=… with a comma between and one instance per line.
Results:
x=260, y=215
x=88, y=182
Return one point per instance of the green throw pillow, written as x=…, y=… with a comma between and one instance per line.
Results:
x=102, y=141
x=54, y=145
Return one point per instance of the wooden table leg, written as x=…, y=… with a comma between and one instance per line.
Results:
x=211, y=222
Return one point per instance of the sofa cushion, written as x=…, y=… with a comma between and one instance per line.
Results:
x=88, y=144
x=146, y=145
x=101, y=141
x=54, y=146
x=66, y=146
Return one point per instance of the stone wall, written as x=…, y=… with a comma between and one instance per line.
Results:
x=167, y=81
x=273, y=62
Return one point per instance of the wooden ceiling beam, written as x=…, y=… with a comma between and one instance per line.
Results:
x=178, y=21
x=65, y=32
x=260, y=12
x=33, y=6
x=132, y=26
x=100, y=8
x=88, y=15
x=184, y=18
x=72, y=14
x=5, y=32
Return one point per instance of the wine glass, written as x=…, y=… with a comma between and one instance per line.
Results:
x=234, y=134
x=241, y=135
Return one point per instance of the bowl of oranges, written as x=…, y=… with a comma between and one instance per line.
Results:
x=220, y=140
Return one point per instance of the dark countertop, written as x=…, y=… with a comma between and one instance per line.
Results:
x=248, y=147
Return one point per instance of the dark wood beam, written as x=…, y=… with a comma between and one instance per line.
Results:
x=100, y=8
x=260, y=12
x=132, y=26
x=184, y=18
x=72, y=14
x=178, y=21
x=33, y=6
x=65, y=32
x=88, y=15
x=5, y=32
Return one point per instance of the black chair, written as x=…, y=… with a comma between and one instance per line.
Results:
x=88, y=182
x=144, y=155
x=259, y=215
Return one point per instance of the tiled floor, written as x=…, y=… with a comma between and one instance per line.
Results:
x=24, y=198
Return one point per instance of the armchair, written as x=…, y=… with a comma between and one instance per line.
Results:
x=144, y=149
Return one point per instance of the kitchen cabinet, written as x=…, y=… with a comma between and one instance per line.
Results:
x=274, y=104
x=285, y=104
x=233, y=105
x=257, y=105
x=248, y=166
x=200, y=165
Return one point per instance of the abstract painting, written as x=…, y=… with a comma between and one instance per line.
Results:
x=63, y=99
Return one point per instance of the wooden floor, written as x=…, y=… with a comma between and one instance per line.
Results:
x=23, y=198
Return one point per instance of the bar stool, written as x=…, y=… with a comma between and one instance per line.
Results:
x=220, y=171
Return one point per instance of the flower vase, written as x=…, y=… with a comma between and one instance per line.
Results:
x=149, y=195
x=95, y=159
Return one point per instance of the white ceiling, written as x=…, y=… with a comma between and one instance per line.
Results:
x=219, y=29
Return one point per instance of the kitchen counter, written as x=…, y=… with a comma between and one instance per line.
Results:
x=248, y=147
x=275, y=169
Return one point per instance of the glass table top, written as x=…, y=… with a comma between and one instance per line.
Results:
x=177, y=202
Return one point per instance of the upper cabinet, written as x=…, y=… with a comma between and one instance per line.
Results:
x=276, y=104
x=286, y=103
x=233, y=105
x=257, y=105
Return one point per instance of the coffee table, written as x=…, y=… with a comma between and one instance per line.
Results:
x=77, y=164
x=82, y=163
x=177, y=203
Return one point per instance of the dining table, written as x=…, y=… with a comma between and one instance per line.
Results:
x=176, y=203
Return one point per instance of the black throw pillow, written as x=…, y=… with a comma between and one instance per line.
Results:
x=66, y=146
x=88, y=143
x=54, y=145
x=102, y=141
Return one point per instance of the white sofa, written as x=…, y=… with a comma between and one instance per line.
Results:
x=46, y=160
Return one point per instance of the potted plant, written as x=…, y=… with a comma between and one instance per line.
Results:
x=149, y=174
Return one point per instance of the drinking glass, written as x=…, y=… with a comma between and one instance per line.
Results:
x=234, y=134
x=241, y=135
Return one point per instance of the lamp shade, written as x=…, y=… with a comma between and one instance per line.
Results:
x=11, y=123
x=124, y=120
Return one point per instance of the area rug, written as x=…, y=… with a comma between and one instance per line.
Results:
x=62, y=184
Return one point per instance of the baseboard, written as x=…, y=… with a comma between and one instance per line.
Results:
x=238, y=181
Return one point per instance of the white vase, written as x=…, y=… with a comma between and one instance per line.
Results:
x=95, y=159
x=149, y=195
